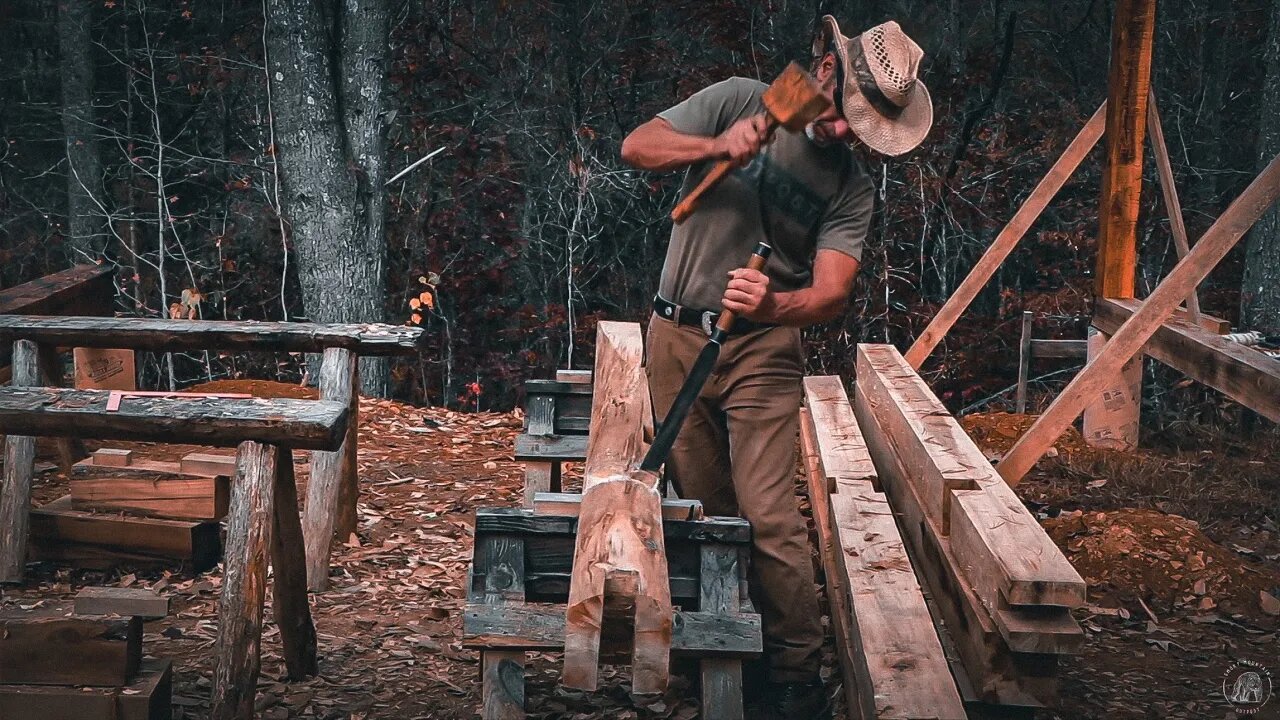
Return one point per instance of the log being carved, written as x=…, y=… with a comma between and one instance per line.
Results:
x=619, y=587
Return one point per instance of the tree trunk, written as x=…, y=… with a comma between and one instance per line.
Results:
x=1260, y=289
x=328, y=90
x=85, y=229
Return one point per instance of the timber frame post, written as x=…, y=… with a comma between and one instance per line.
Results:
x=19, y=468
x=1112, y=419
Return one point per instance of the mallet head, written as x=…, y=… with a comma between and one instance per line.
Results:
x=795, y=99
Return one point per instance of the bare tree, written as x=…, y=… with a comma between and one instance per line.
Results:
x=327, y=67
x=1260, y=291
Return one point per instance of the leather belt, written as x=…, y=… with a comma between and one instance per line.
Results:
x=704, y=320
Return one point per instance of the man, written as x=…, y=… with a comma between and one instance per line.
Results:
x=805, y=195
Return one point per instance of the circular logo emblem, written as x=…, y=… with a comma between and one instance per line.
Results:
x=1247, y=686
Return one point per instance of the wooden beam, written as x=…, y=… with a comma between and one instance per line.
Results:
x=333, y=490
x=1007, y=240
x=620, y=532
x=1066, y=349
x=1169, y=191
x=719, y=590
x=148, y=697
x=19, y=468
x=57, y=412
x=165, y=335
x=993, y=673
x=289, y=574
x=1006, y=552
x=1243, y=374
x=502, y=671
x=1128, y=88
x=178, y=497
x=48, y=646
x=83, y=289
x=1134, y=333
x=62, y=534
x=887, y=634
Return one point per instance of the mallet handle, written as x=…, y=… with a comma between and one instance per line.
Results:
x=690, y=202
x=757, y=261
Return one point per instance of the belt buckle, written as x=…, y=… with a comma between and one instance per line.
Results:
x=709, y=321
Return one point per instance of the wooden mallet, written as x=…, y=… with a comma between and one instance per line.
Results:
x=793, y=101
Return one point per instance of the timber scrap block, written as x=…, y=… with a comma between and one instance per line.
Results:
x=148, y=697
x=61, y=533
x=121, y=601
x=51, y=646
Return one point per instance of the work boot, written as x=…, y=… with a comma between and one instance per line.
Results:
x=793, y=701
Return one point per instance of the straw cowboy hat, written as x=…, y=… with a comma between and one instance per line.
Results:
x=883, y=100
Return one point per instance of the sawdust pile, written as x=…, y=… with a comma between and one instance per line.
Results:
x=258, y=388
x=1165, y=561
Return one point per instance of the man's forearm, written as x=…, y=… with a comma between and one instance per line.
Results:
x=808, y=306
x=657, y=147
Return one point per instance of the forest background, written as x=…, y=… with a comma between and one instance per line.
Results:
x=456, y=164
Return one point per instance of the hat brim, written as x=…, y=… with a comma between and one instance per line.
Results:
x=885, y=135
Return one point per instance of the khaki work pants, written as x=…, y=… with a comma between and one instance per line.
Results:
x=737, y=454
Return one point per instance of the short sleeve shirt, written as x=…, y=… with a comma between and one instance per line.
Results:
x=796, y=195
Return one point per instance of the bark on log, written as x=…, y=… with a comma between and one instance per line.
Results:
x=19, y=467
x=244, y=584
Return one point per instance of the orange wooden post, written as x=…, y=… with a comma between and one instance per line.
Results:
x=1112, y=419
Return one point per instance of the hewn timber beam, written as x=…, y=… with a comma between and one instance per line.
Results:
x=620, y=574
x=1128, y=87
x=82, y=289
x=889, y=650
x=164, y=335
x=1007, y=240
x=1240, y=372
x=1129, y=338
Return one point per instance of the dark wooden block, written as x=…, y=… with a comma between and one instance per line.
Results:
x=180, y=497
x=551, y=447
x=59, y=533
x=121, y=601
x=148, y=697
x=523, y=521
x=49, y=646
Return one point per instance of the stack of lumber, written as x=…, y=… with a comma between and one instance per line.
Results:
x=122, y=508
x=1001, y=591
x=57, y=663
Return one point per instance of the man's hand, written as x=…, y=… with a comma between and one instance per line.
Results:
x=748, y=295
x=743, y=139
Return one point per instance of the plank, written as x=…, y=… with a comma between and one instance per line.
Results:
x=1130, y=337
x=19, y=467
x=1068, y=349
x=562, y=503
x=121, y=601
x=551, y=447
x=619, y=556
x=842, y=451
x=80, y=289
x=49, y=646
x=1128, y=89
x=1008, y=239
x=332, y=493
x=148, y=697
x=1243, y=374
x=995, y=675
x=898, y=662
x=61, y=533
x=524, y=521
x=167, y=335
x=538, y=627
x=175, y=497
x=502, y=671
x=237, y=649
x=1004, y=545
x=56, y=412
x=721, y=678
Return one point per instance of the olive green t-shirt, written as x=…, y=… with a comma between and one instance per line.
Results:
x=808, y=196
